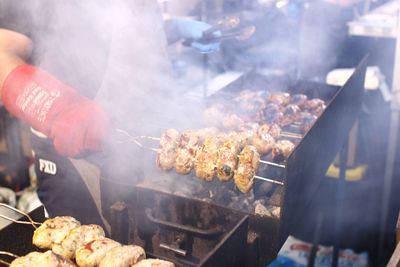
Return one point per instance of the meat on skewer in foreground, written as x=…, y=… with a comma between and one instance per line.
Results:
x=46, y=259
x=53, y=231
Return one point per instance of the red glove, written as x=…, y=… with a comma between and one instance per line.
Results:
x=76, y=124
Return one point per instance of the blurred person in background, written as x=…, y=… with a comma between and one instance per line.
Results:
x=71, y=70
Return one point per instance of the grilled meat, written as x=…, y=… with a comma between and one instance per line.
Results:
x=76, y=238
x=282, y=150
x=167, y=152
x=280, y=98
x=249, y=159
x=153, y=263
x=53, y=231
x=298, y=99
x=92, y=253
x=227, y=159
x=315, y=105
x=307, y=122
x=46, y=259
x=187, y=150
x=263, y=143
x=123, y=256
x=206, y=158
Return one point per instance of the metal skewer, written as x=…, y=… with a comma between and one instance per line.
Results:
x=272, y=164
x=31, y=221
x=7, y=254
x=268, y=180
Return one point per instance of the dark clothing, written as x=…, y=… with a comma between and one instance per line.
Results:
x=58, y=179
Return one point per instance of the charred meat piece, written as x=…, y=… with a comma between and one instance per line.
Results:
x=153, y=263
x=53, y=231
x=272, y=114
x=187, y=150
x=298, y=99
x=282, y=150
x=167, y=152
x=46, y=259
x=123, y=256
x=243, y=138
x=307, y=122
x=227, y=159
x=274, y=130
x=251, y=101
x=281, y=99
x=76, y=238
x=92, y=253
x=249, y=160
x=263, y=140
x=315, y=106
x=206, y=158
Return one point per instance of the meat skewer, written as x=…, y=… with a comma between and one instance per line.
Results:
x=76, y=238
x=227, y=159
x=168, y=149
x=206, y=158
x=53, y=231
x=282, y=150
x=249, y=160
x=189, y=144
x=46, y=259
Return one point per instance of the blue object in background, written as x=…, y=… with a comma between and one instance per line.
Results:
x=193, y=30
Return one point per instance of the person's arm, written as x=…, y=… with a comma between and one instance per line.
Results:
x=15, y=48
x=76, y=124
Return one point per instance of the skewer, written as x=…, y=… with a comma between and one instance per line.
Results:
x=268, y=180
x=7, y=254
x=291, y=135
x=5, y=262
x=31, y=221
x=272, y=164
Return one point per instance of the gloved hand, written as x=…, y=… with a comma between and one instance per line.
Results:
x=193, y=30
x=75, y=123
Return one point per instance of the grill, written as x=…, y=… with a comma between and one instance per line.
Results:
x=274, y=208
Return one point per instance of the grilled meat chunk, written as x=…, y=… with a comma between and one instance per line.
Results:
x=263, y=143
x=282, y=150
x=227, y=159
x=123, y=256
x=91, y=254
x=53, y=231
x=153, y=263
x=167, y=152
x=46, y=259
x=299, y=100
x=280, y=99
x=76, y=238
x=206, y=158
x=187, y=150
x=249, y=160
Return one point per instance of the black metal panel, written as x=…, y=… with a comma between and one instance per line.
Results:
x=17, y=238
x=306, y=166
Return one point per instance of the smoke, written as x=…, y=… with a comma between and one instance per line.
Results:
x=322, y=36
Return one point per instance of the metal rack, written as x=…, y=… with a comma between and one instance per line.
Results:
x=384, y=22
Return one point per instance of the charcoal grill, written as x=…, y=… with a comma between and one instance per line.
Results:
x=300, y=175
